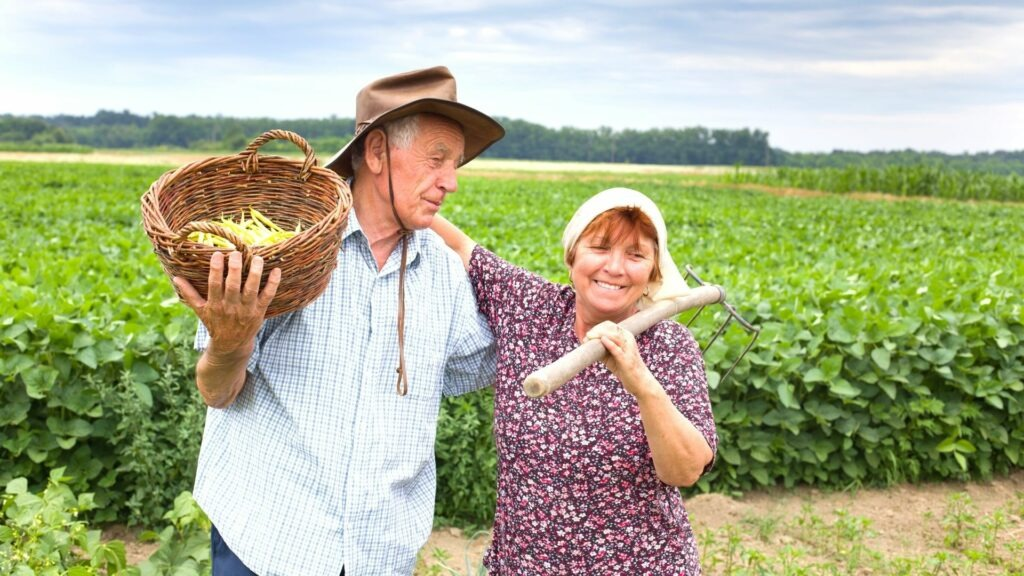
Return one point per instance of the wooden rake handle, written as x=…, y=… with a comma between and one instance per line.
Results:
x=551, y=377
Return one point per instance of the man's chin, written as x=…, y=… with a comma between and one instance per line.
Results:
x=422, y=222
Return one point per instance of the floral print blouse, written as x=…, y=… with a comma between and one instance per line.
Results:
x=577, y=489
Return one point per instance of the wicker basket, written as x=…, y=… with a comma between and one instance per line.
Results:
x=288, y=191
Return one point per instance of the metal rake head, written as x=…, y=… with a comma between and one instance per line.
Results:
x=754, y=331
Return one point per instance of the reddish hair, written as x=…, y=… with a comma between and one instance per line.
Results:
x=623, y=224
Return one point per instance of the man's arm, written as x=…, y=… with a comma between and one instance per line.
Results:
x=232, y=314
x=456, y=239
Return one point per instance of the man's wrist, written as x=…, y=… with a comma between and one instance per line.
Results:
x=218, y=354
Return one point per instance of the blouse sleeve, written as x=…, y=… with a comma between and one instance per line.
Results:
x=677, y=363
x=502, y=288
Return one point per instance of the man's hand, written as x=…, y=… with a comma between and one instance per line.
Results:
x=231, y=312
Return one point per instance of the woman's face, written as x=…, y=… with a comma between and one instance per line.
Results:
x=610, y=277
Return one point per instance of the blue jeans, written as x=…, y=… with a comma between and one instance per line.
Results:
x=225, y=563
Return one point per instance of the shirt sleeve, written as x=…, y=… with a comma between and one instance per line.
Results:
x=679, y=366
x=472, y=359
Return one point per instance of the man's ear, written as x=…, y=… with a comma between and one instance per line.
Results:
x=373, y=151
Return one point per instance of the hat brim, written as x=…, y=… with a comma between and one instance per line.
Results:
x=479, y=129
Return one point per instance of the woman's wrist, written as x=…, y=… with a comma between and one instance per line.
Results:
x=648, y=389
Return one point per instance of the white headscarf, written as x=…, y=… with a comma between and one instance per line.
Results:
x=671, y=284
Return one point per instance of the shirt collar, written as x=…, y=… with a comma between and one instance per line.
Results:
x=415, y=243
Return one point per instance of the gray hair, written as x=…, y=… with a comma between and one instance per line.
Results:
x=401, y=132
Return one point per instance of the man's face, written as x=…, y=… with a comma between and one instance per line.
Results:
x=424, y=174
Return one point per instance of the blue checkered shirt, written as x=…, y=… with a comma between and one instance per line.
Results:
x=319, y=463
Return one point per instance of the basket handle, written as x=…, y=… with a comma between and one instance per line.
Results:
x=252, y=163
x=214, y=228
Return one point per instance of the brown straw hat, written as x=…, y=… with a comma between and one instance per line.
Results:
x=431, y=90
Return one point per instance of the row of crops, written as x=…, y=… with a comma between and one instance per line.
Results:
x=890, y=347
x=918, y=180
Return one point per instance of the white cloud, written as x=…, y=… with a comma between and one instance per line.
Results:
x=885, y=75
x=973, y=128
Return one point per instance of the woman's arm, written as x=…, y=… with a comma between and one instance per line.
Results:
x=679, y=450
x=456, y=239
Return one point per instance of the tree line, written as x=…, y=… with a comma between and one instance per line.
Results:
x=524, y=140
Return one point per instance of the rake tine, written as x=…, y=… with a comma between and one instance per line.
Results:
x=721, y=329
x=694, y=317
x=733, y=314
x=746, y=325
x=756, y=332
x=691, y=274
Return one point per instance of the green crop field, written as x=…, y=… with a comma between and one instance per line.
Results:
x=890, y=347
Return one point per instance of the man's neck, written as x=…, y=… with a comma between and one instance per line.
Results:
x=377, y=222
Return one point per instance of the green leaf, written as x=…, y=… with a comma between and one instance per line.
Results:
x=39, y=380
x=17, y=486
x=761, y=454
x=14, y=412
x=870, y=434
x=143, y=372
x=844, y=389
x=57, y=474
x=881, y=357
x=66, y=443
x=730, y=455
x=172, y=332
x=814, y=375
x=832, y=366
x=714, y=378
x=965, y=447
x=961, y=460
x=786, y=396
x=144, y=394
x=889, y=388
x=87, y=356
x=83, y=340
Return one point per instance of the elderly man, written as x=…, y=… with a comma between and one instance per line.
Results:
x=318, y=452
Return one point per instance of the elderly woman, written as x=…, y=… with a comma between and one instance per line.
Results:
x=588, y=475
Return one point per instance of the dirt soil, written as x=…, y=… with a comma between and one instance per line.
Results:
x=905, y=520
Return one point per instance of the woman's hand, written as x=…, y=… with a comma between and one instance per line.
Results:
x=623, y=358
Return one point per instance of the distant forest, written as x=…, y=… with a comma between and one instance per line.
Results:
x=523, y=140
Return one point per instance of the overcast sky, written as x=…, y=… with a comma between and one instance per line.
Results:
x=863, y=75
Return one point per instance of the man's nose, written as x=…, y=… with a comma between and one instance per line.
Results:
x=448, y=179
